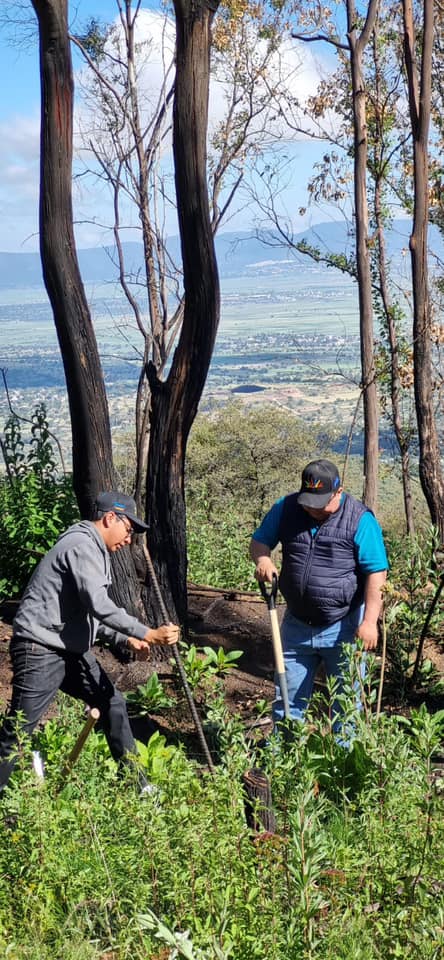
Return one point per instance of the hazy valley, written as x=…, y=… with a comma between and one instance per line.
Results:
x=288, y=335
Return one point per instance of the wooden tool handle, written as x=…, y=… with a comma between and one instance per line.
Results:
x=93, y=717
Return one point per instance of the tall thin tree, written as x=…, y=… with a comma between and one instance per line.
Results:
x=357, y=41
x=174, y=402
x=359, y=32
x=419, y=77
x=91, y=435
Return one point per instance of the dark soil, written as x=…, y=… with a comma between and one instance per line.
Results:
x=216, y=619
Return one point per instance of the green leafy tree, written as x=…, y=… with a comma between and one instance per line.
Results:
x=256, y=455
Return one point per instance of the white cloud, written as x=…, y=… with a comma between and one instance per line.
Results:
x=155, y=39
x=290, y=75
x=294, y=68
x=19, y=182
x=20, y=136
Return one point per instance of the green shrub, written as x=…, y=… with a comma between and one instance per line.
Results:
x=148, y=697
x=218, y=549
x=239, y=460
x=412, y=583
x=36, y=503
x=206, y=663
x=256, y=455
x=352, y=873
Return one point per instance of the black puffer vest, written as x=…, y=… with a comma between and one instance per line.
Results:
x=319, y=577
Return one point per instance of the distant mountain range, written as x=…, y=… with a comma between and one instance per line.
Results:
x=238, y=254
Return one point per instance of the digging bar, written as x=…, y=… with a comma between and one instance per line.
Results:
x=93, y=717
x=269, y=594
x=179, y=664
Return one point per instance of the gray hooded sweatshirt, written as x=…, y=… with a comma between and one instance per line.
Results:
x=66, y=604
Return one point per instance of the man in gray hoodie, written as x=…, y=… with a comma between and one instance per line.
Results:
x=66, y=607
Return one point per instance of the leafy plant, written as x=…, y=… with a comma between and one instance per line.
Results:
x=179, y=941
x=200, y=665
x=41, y=457
x=217, y=548
x=35, y=503
x=351, y=873
x=226, y=732
x=149, y=696
x=220, y=661
x=156, y=757
x=262, y=707
x=427, y=730
x=408, y=594
x=193, y=663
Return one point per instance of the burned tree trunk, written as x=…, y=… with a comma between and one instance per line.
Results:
x=175, y=401
x=91, y=437
x=258, y=804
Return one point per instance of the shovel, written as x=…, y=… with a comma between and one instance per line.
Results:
x=269, y=594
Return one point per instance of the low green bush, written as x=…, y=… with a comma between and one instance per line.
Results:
x=148, y=697
x=256, y=455
x=204, y=664
x=353, y=871
x=36, y=502
x=409, y=604
x=218, y=549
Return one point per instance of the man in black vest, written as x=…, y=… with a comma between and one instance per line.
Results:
x=334, y=565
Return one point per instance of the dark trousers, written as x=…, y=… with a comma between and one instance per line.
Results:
x=38, y=673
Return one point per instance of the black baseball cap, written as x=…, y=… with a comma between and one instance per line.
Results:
x=320, y=479
x=120, y=503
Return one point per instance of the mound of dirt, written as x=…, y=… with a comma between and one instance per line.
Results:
x=216, y=619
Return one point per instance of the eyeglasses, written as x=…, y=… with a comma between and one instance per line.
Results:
x=127, y=524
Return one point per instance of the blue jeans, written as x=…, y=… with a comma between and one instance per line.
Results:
x=305, y=648
x=38, y=673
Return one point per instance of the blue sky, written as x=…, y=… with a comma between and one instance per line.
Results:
x=19, y=144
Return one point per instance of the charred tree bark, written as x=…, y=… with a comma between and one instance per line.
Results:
x=419, y=80
x=91, y=435
x=175, y=402
x=258, y=802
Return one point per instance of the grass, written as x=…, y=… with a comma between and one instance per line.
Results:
x=354, y=872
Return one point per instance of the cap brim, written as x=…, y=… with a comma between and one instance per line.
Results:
x=139, y=525
x=314, y=500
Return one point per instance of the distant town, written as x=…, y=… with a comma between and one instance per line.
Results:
x=288, y=337
x=314, y=377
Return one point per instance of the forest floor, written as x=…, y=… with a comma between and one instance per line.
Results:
x=217, y=619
